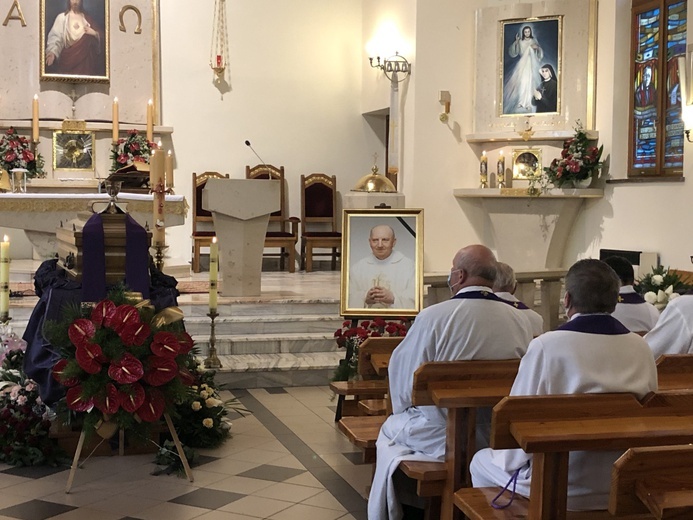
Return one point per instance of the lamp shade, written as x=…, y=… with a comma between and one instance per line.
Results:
x=375, y=183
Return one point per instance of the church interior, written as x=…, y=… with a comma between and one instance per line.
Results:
x=412, y=90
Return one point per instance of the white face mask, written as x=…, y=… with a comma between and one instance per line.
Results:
x=450, y=286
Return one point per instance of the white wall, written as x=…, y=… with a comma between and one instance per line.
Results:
x=294, y=91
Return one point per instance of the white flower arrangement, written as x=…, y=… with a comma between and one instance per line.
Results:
x=661, y=298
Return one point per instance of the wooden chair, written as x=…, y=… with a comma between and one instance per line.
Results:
x=319, y=208
x=202, y=229
x=283, y=231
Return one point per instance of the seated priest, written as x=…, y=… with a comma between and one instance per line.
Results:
x=632, y=310
x=474, y=324
x=673, y=333
x=504, y=287
x=591, y=353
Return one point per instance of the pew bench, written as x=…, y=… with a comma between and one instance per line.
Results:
x=550, y=427
x=372, y=384
x=675, y=372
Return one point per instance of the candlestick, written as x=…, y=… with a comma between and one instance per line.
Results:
x=213, y=274
x=212, y=360
x=35, y=119
x=4, y=279
x=169, y=170
x=500, y=170
x=483, y=170
x=150, y=120
x=156, y=184
x=115, y=119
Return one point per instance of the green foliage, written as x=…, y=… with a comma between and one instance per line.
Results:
x=167, y=456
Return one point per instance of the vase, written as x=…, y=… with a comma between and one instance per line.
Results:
x=582, y=183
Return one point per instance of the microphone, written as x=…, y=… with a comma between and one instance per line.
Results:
x=247, y=143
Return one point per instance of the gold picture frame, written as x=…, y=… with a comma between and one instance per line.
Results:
x=375, y=270
x=86, y=60
x=73, y=150
x=526, y=162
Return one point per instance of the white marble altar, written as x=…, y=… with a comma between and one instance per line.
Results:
x=240, y=210
x=529, y=232
x=39, y=214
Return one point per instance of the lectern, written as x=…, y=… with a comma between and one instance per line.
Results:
x=240, y=210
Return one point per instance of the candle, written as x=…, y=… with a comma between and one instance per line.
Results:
x=213, y=274
x=35, y=119
x=156, y=184
x=483, y=169
x=500, y=171
x=150, y=120
x=169, y=170
x=115, y=119
x=5, y=276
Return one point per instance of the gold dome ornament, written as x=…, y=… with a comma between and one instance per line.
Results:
x=375, y=183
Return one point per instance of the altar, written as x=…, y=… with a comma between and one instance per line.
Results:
x=39, y=214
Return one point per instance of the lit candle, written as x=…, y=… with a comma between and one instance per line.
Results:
x=156, y=184
x=500, y=171
x=115, y=120
x=5, y=276
x=150, y=120
x=169, y=170
x=213, y=274
x=483, y=169
x=35, y=119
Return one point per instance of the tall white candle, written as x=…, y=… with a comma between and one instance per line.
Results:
x=35, y=119
x=5, y=276
x=169, y=170
x=150, y=120
x=115, y=119
x=213, y=274
x=156, y=184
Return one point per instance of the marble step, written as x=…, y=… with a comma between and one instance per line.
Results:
x=278, y=370
x=272, y=324
x=281, y=343
x=287, y=307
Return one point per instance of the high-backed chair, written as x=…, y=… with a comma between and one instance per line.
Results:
x=202, y=228
x=318, y=210
x=282, y=232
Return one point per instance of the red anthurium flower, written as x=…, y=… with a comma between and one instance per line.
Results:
x=134, y=333
x=103, y=313
x=131, y=397
x=124, y=315
x=77, y=402
x=185, y=342
x=153, y=407
x=186, y=377
x=90, y=357
x=110, y=401
x=165, y=344
x=81, y=331
x=58, y=374
x=127, y=369
x=160, y=370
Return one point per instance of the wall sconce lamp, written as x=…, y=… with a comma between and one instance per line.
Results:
x=392, y=67
x=445, y=99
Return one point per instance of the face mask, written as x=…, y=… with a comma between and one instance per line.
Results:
x=450, y=282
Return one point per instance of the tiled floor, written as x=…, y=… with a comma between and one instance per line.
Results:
x=286, y=461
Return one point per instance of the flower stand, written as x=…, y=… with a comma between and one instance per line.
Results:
x=121, y=444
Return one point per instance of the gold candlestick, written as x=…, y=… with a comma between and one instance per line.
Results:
x=212, y=360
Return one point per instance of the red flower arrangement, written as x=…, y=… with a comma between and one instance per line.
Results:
x=123, y=367
x=578, y=160
x=351, y=335
x=134, y=148
x=15, y=152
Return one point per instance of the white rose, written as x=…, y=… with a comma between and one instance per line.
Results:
x=662, y=297
x=205, y=395
x=196, y=406
x=657, y=279
x=211, y=402
x=650, y=297
x=207, y=423
x=673, y=295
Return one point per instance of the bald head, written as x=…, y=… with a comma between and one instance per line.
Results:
x=382, y=240
x=477, y=266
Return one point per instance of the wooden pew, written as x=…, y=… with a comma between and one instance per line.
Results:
x=370, y=385
x=658, y=480
x=551, y=427
x=675, y=372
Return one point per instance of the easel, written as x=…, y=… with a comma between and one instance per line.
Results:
x=121, y=451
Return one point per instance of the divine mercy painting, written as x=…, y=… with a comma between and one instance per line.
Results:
x=530, y=66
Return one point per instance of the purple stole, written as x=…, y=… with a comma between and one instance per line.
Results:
x=94, y=259
x=630, y=298
x=595, y=324
x=487, y=295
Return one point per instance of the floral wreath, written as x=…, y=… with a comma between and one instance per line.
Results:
x=15, y=152
x=119, y=363
x=134, y=148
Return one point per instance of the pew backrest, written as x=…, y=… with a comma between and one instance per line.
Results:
x=675, y=371
x=375, y=345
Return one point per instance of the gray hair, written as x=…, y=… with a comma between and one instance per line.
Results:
x=593, y=286
x=505, y=278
